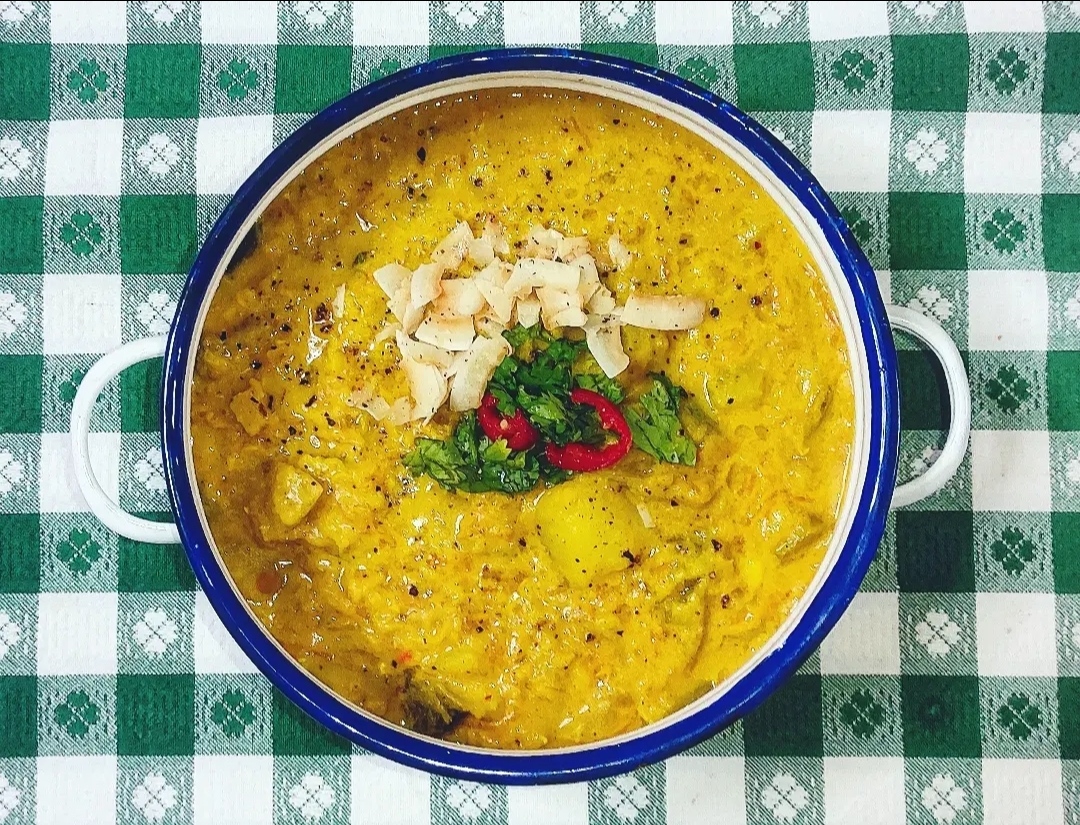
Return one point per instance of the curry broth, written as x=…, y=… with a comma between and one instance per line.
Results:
x=442, y=610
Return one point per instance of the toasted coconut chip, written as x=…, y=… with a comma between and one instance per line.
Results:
x=602, y=302
x=449, y=332
x=528, y=312
x=475, y=371
x=460, y=296
x=620, y=255
x=590, y=278
x=541, y=243
x=391, y=278
x=489, y=325
x=660, y=312
x=494, y=234
x=646, y=516
x=426, y=284
x=423, y=352
x=374, y=405
x=455, y=365
x=570, y=249
x=500, y=302
x=390, y=330
x=497, y=272
x=411, y=317
x=603, y=336
x=399, y=301
x=530, y=273
x=559, y=308
x=338, y=304
x=452, y=249
x=400, y=412
x=481, y=251
x=428, y=387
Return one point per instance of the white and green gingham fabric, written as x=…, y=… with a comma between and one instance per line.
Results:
x=949, y=134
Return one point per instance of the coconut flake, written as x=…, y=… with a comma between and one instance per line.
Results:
x=452, y=249
x=400, y=412
x=646, y=516
x=489, y=327
x=448, y=332
x=494, y=234
x=426, y=284
x=423, y=352
x=530, y=273
x=663, y=312
x=500, y=302
x=620, y=255
x=542, y=242
x=475, y=371
x=602, y=302
x=559, y=308
x=428, y=387
x=391, y=278
x=374, y=405
x=390, y=330
x=603, y=336
x=590, y=279
x=528, y=312
x=460, y=296
x=570, y=249
x=481, y=251
x=339, y=301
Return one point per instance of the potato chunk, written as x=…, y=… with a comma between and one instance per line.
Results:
x=294, y=494
x=588, y=529
x=249, y=407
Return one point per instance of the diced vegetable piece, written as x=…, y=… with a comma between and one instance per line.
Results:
x=589, y=530
x=249, y=407
x=294, y=493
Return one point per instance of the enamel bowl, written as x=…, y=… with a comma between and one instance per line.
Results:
x=866, y=322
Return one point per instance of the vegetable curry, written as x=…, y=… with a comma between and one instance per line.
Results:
x=577, y=605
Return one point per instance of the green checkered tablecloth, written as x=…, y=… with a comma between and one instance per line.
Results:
x=949, y=134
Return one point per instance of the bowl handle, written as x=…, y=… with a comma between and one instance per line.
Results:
x=105, y=509
x=956, y=444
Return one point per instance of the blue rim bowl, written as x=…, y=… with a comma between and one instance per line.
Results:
x=705, y=717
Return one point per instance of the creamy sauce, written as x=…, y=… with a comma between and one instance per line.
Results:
x=444, y=611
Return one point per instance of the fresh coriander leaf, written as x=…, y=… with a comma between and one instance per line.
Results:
x=441, y=460
x=654, y=421
x=520, y=335
x=598, y=382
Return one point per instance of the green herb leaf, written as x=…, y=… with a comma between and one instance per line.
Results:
x=471, y=462
x=598, y=382
x=654, y=421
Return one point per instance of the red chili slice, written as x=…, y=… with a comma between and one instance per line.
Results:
x=515, y=429
x=585, y=457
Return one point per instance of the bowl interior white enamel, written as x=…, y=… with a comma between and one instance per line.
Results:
x=809, y=230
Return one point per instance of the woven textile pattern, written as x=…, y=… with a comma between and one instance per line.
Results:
x=949, y=136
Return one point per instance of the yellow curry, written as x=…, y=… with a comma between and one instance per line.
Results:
x=461, y=614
